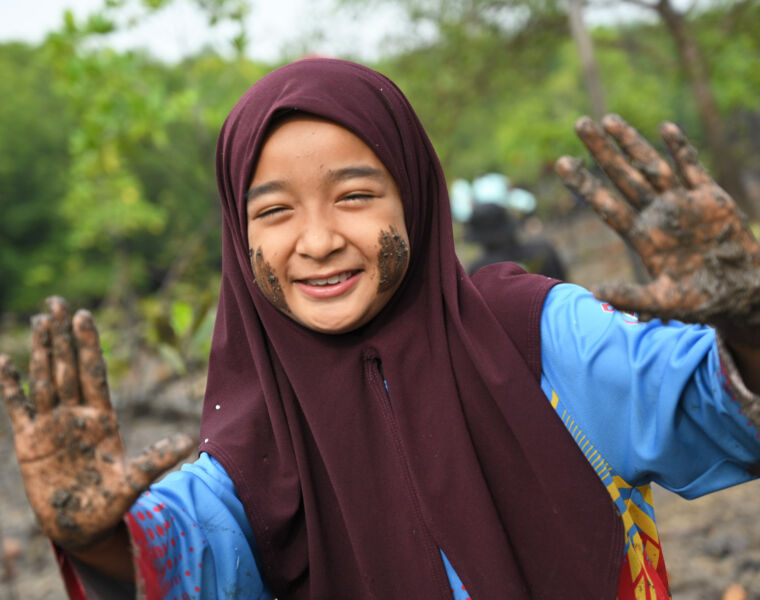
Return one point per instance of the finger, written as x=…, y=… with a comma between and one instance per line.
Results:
x=92, y=367
x=626, y=296
x=664, y=298
x=646, y=159
x=41, y=388
x=158, y=458
x=65, y=370
x=684, y=155
x=616, y=213
x=631, y=183
x=19, y=410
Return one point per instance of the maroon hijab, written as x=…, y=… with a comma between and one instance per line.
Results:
x=351, y=490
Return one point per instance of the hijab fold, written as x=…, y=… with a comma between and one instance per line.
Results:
x=352, y=488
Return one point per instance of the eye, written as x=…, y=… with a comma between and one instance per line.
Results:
x=358, y=197
x=270, y=212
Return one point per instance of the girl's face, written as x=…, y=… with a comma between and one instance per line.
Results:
x=326, y=230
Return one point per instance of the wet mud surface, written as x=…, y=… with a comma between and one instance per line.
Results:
x=268, y=283
x=712, y=542
x=392, y=259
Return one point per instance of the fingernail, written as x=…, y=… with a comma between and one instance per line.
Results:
x=567, y=164
x=584, y=124
x=41, y=329
x=7, y=368
x=57, y=306
x=672, y=131
x=82, y=320
x=613, y=122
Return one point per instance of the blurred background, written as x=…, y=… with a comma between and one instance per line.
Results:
x=109, y=112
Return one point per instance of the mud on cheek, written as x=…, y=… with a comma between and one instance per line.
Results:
x=392, y=259
x=267, y=281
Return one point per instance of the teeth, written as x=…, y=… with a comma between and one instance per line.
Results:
x=330, y=280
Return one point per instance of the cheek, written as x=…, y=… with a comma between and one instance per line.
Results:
x=265, y=278
x=392, y=259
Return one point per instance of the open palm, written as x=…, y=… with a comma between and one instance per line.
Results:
x=76, y=474
x=691, y=236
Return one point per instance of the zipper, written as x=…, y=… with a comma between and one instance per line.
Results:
x=374, y=372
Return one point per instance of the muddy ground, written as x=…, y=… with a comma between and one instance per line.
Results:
x=711, y=545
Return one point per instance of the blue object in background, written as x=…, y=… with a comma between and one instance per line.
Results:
x=461, y=199
x=491, y=188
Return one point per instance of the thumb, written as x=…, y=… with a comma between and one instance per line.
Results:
x=629, y=297
x=157, y=458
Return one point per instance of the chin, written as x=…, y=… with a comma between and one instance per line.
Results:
x=334, y=326
x=333, y=329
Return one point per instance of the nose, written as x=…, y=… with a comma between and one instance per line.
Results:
x=319, y=237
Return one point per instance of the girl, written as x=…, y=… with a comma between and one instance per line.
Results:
x=377, y=424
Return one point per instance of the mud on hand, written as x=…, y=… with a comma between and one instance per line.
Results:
x=690, y=234
x=75, y=471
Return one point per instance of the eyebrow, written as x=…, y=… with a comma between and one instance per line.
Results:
x=356, y=171
x=264, y=188
x=336, y=175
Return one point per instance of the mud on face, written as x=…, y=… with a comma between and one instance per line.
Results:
x=392, y=259
x=267, y=281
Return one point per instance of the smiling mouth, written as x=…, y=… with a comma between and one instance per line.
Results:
x=332, y=280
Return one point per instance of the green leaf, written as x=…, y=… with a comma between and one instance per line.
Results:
x=181, y=317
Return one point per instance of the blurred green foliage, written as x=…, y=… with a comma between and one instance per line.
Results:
x=505, y=99
x=181, y=330
x=107, y=190
x=35, y=122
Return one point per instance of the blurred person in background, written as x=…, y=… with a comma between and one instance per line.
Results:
x=495, y=224
x=497, y=232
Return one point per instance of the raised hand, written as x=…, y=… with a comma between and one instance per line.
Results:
x=693, y=239
x=77, y=477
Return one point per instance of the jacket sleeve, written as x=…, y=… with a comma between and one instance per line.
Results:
x=652, y=398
